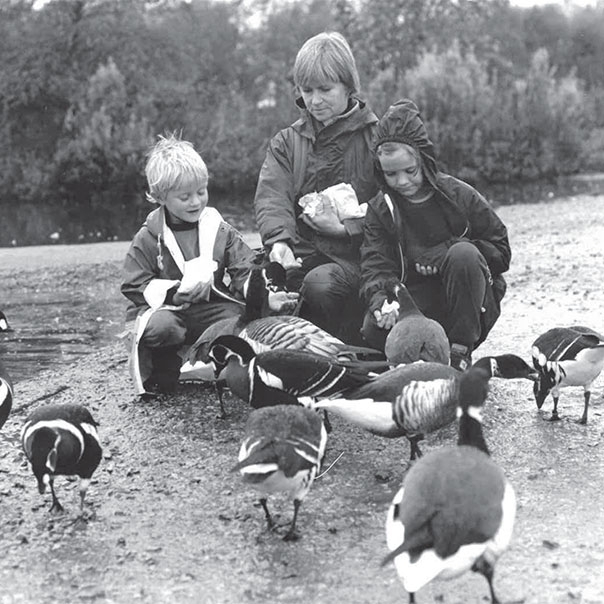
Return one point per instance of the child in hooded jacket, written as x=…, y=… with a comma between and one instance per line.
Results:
x=175, y=268
x=434, y=233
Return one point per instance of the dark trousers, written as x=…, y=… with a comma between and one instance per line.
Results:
x=168, y=330
x=330, y=296
x=461, y=298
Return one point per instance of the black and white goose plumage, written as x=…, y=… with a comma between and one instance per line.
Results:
x=416, y=399
x=567, y=356
x=6, y=394
x=415, y=337
x=61, y=440
x=4, y=325
x=283, y=376
x=455, y=511
x=265, y=331
x=282, y=451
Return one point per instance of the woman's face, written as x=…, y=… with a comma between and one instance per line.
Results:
x=326, y=100
x=403, y=173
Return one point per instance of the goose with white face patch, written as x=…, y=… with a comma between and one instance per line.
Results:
x=282, y=451
x=61, y=440
x=416, y=399
x=567, y=356
x=283, y=376
x=415, y=337
x=456, y=510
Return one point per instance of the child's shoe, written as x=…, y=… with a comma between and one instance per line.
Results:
x=461, y=357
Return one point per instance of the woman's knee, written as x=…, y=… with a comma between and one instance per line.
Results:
x=164, y=328
x=327, y=282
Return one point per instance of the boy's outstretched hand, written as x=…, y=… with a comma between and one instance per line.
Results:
x=283, y=302
x=387, y=316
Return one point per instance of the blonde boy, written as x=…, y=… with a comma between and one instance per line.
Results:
x=174, y=272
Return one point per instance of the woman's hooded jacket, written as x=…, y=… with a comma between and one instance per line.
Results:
x=304, y=158
x=468, y=214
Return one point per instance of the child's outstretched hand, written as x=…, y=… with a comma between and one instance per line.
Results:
x=387, y=316
x=282, y=302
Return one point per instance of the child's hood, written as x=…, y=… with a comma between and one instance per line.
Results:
x=402, y=123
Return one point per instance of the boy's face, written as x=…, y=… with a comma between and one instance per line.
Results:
x=325, y=100
x=403, y=172
x=186, y=203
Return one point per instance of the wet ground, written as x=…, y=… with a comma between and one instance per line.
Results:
x=166, y=521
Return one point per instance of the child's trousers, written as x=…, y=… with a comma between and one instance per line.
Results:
x=460, y=298
x=168, y=330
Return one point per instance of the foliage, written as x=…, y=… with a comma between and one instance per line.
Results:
x=494, y=129
x=86, y=85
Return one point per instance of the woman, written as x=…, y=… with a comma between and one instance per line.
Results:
x=328, y=145
x=436, y=234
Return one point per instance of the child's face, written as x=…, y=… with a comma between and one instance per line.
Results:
x=403, y=172
x=186, y=203
x=325, y=100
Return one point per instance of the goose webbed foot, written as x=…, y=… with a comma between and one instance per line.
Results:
x=555, y=417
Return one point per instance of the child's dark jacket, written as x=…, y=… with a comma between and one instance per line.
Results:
x=467, y=212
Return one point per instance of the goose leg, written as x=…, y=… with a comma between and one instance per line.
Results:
x=412, y=598
x=415, y=450
x=486, y=570
x=326, y=422
x=56, y=506
x=586, y=396
x=291, y=535
x=555, y=417
x=219, y=388
x=267, y=514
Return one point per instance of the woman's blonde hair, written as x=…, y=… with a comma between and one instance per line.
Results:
x=172, y=163
x=326, y=57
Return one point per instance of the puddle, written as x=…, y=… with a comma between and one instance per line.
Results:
x=49, y=332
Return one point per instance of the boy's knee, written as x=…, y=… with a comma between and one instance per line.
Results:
x=463, y=253
x=164, y=329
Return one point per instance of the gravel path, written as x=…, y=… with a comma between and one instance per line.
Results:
x=167, y=522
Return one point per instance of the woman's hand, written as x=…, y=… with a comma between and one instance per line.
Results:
x=387, y=316
x=326, y=221
x=283, y=254
x=283, y=302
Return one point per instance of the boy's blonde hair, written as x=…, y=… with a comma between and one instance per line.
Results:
x=326, y=57
x=172, y=163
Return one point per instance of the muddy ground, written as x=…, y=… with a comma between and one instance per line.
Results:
x=166, y=522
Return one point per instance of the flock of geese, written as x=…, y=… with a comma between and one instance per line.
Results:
x=455, y=510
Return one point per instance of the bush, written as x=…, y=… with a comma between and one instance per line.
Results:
x=488, y=127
